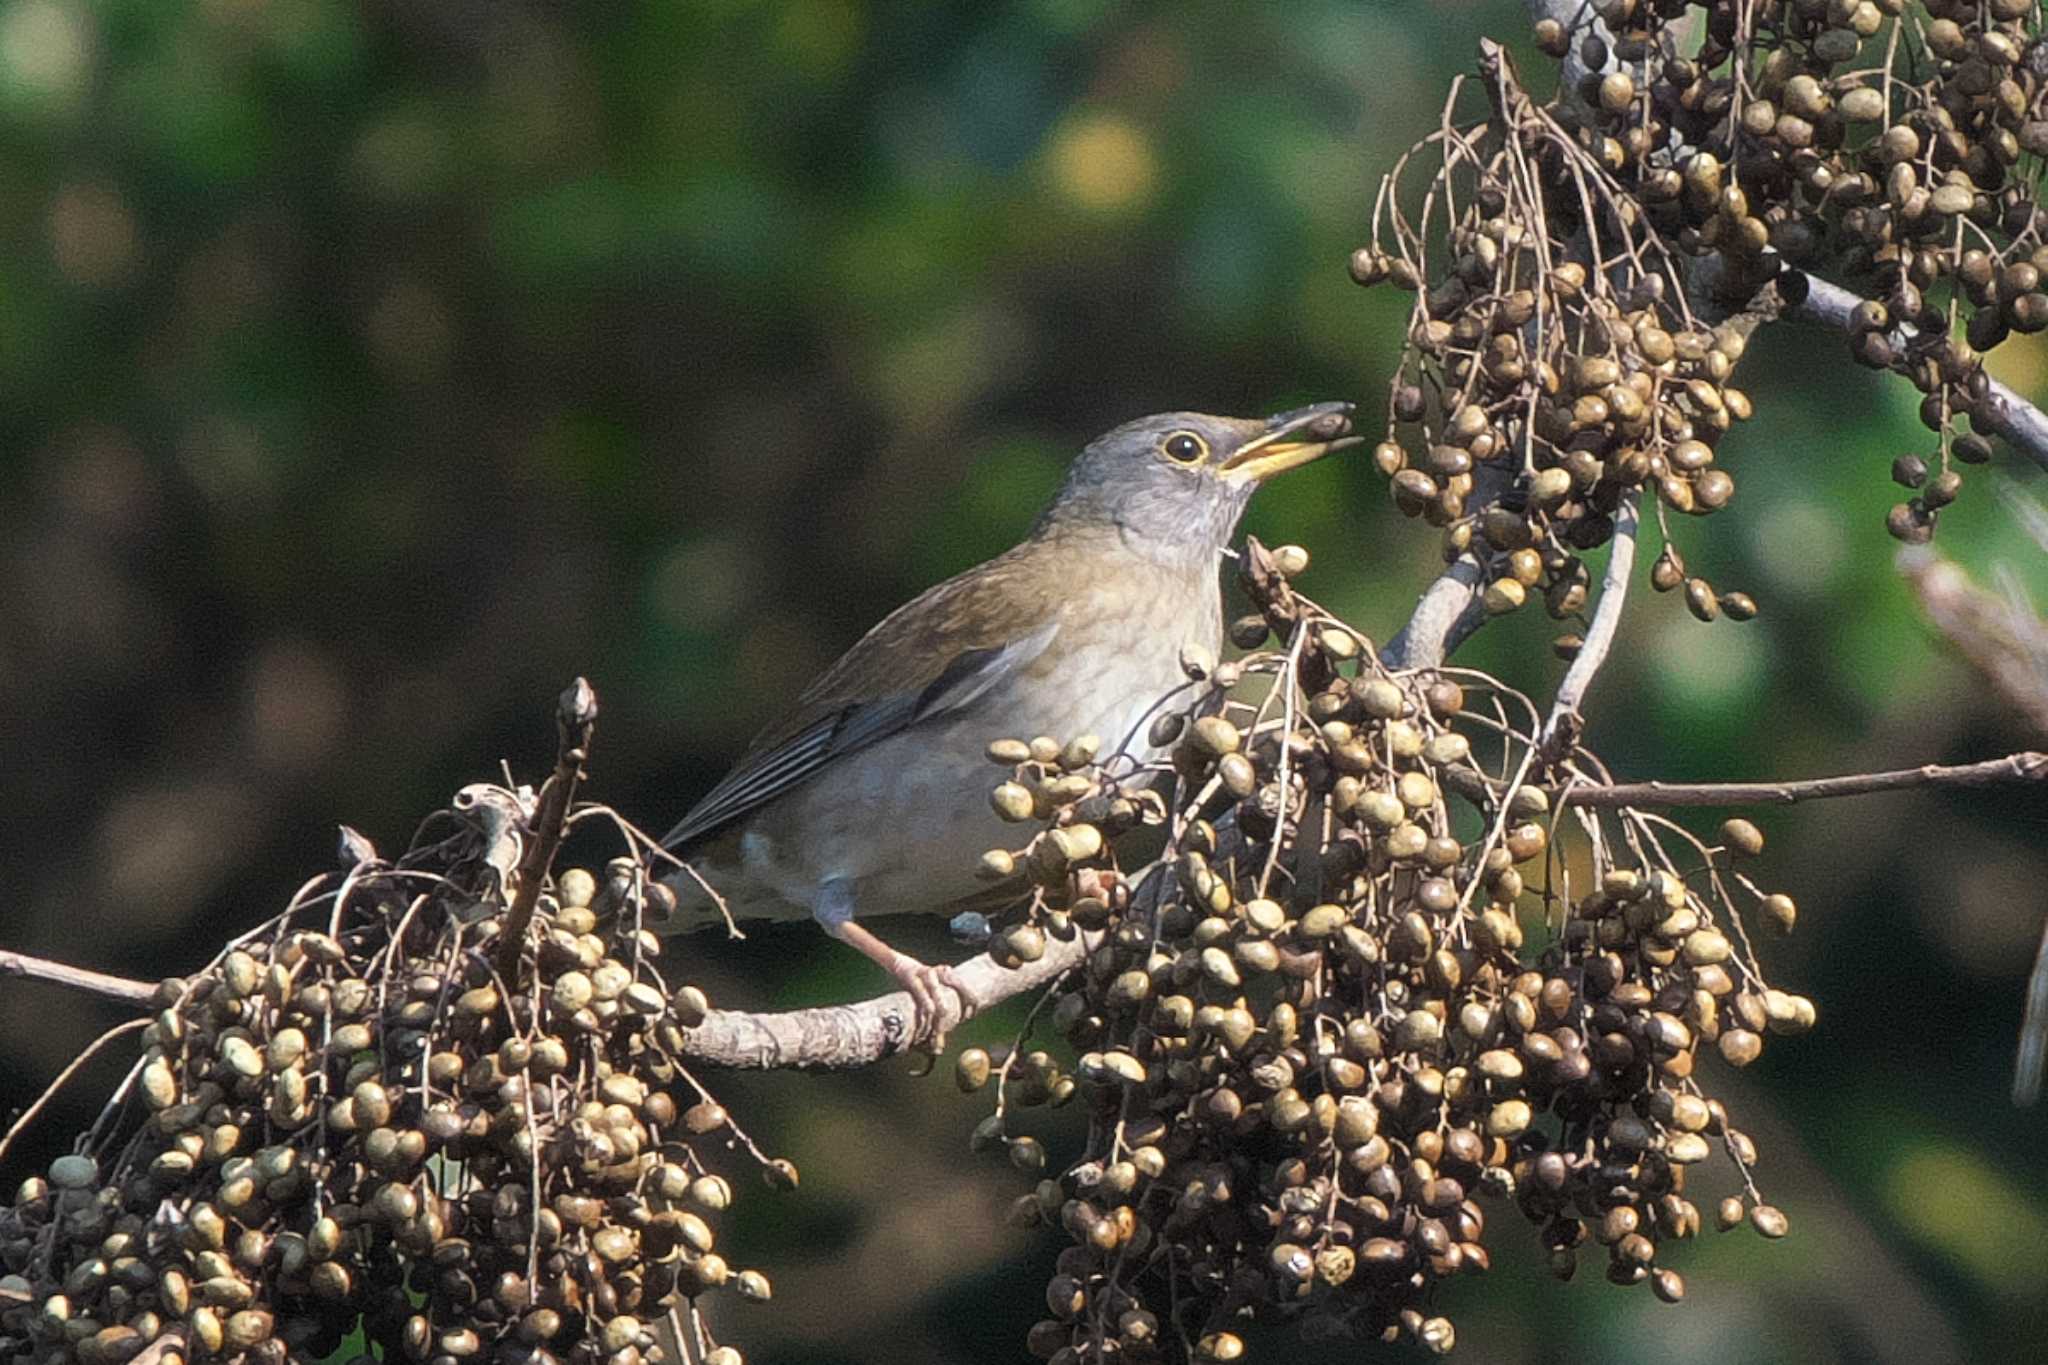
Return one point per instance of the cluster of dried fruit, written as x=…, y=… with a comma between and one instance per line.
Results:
x=1311, y=1041
x=1582, y=268
x=365, y=1128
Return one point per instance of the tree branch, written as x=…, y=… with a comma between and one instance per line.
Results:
x=2030, y=766
x=840, y=1037
x=827, y=1038
x=1621, y=563
x=1452, y=607
x=1445, y=616
x=2017, y=420
x=120, y=988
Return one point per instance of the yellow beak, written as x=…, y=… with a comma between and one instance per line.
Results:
x=1269, y=454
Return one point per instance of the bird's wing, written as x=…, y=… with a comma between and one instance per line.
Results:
x=930, y=657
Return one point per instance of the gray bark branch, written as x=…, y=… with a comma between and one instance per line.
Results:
x=77, y=978
x=1578, y=679
x=840, y=1037
x=1446, y=615
x=2022, y=424
x=2030, y=766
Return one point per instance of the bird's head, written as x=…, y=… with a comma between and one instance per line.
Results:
x=1174, y=485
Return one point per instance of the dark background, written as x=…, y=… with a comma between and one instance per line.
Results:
x=370, y=371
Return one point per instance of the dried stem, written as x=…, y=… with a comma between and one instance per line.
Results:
x=2001, y=636
x=575, y=720
x=2030, y=766
x=28, y=1115
x=77, y=978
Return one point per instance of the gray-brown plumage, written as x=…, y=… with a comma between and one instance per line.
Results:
x=870, y=795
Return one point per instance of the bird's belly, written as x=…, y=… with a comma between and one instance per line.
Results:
x=906, y=820
x=1109, y=702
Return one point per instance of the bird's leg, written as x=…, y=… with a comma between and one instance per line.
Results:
x=834, y=912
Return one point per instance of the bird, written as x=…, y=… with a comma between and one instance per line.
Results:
x=870, y=797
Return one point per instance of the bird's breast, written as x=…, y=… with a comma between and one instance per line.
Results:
x=1118, y=654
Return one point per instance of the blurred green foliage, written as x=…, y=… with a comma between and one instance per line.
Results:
x=371, y=370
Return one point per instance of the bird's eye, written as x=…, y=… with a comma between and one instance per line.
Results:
x=1185, y=446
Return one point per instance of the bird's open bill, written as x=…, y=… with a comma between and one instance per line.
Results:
x=1325, y=427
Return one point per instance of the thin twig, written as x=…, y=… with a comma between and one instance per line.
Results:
x=2029, y=766
x=576, y=718
x=28, y=1115
x=77, y=978
x=641, y=842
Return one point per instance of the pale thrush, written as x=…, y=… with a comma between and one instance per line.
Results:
x=870, y=797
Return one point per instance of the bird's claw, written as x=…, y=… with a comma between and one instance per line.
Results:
x=923, y=982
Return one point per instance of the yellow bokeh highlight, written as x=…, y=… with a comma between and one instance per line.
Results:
x=1950, y=1199
x=1103, y=163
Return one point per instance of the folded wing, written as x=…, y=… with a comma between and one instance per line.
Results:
x=931, y=657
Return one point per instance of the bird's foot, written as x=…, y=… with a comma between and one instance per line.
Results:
x=923, y=982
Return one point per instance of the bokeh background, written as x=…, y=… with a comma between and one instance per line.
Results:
x=368, y=371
